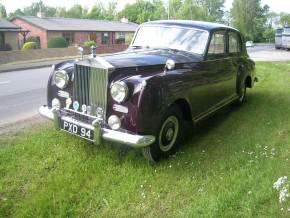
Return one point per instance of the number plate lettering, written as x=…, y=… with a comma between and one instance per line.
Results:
x=77, y=130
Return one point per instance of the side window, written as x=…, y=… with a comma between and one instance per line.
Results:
x=217, y=43
x=105, y=38
x=234, y=43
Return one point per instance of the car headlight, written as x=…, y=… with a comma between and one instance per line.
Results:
x=114, y=122
x=61, y=79
x=119, y=91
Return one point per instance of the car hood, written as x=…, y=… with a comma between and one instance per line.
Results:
x=149, y=57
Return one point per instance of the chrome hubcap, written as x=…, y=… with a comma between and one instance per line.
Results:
x=168, y=133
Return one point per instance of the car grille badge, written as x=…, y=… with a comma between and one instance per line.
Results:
x=76, y=105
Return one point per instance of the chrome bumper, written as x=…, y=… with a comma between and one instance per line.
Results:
x=136, y=141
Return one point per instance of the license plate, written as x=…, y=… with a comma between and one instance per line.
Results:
x=77, y=130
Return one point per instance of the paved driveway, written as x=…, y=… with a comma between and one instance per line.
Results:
x=268, y=53
x=21, y=94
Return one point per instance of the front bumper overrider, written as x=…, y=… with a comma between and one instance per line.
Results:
x=133, y=140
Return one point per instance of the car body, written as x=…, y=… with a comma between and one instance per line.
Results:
x=250, y=44
x=173, y=71
x=286, y=38
x=278, y=38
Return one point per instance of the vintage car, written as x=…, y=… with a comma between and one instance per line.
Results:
x=173, y=71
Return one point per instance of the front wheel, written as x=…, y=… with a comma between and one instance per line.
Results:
x=168, y=136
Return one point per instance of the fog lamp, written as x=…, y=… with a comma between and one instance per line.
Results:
x=55, y=103
x=114, y=122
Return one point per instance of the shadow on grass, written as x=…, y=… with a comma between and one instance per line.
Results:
x=193, y=133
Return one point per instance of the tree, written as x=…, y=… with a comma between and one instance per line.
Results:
x=39, y=6
x=60, y=12
x=284, y=19
x=191, y=11
x=269, y=34
x=3, y=13
x=17, y=12
x=97, y=12
x=143, y=10
x=111, y=11
x=214, y=9
x=250, y=18
x=33, y=9
x=76, y=11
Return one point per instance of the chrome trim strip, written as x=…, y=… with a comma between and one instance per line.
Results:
x=136, y=141
x=76, y=135
x=77, y=112
x=215, y=108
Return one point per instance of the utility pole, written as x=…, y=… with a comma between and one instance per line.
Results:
x=168, y=11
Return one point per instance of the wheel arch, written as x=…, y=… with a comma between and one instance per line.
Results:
x=184, y=106
x=248, y=81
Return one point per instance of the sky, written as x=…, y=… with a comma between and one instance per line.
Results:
x=12, y=5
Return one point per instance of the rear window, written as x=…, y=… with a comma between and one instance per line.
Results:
x=234, y=43
x=217, y=43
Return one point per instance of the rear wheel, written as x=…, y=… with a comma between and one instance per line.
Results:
x=168, y=136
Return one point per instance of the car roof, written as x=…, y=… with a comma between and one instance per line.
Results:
x=191, y=23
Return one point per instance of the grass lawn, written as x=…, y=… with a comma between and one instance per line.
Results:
x=225, y=169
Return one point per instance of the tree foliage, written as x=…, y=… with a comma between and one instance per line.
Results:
x=3, y=13
x=142, y=11
x=285, y=19
x=250, y=18
x=255, y=21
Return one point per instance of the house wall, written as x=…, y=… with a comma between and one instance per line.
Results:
x=34, y=31
x=51, y=34
x=11, y=38
x=79, y=37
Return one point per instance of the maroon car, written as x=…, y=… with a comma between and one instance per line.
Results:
x=173, y=71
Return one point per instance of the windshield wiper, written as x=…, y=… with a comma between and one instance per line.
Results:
x=173, y=49
x=139, y=46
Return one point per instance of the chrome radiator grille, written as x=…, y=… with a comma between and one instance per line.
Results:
x=90, y=87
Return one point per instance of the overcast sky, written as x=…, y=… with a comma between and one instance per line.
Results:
x=12, y=5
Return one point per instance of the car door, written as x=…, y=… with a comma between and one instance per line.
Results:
x=218, y=71
x=235, y=59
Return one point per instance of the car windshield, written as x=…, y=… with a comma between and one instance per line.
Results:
x=286, y=30
x=184, y=39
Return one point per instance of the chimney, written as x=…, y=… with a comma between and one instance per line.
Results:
x=124, y=20
x=40, y=14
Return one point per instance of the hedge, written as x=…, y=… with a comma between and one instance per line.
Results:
x=90, y=43
x=57, y=42
x=35, y=39
x=29, y=45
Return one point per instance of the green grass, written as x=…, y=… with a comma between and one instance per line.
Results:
x=225, y=169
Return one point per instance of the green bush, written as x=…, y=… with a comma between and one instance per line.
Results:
x=35, y=39
x=57, y=42
x=29, y=45
x=90, y=43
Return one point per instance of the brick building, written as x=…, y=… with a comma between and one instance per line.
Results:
x=8, y=35
x=75, y=31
